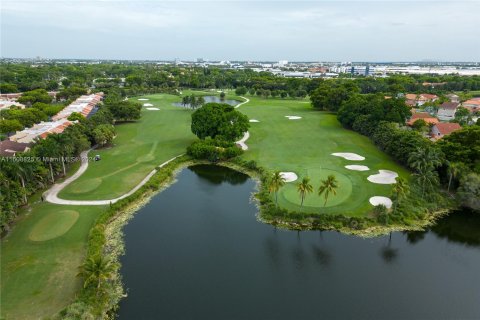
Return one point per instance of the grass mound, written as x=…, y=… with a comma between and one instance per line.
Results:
x=53, y=225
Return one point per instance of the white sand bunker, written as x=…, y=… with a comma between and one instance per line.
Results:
x=155, y=109
x=253, y=120
x=293, y=117
x=377, y=200
x=383, y=177
x=357, y=167
x=289, y=176
x=349, y=156
x=148, y=105
x=241, y=142
x=142, y=99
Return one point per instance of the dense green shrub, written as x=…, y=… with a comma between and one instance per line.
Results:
x=213, y=150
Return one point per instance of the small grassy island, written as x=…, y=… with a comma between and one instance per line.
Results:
x=312, y=173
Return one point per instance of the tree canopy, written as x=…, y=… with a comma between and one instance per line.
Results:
x=217, y=119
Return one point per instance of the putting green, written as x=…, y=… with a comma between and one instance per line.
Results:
x=344, y=191
x=53, y=225
x=86, y=185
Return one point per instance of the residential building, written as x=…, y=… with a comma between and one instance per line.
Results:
x=83, y=105
x=11, y=148
x=446, y=111
x=40, y=131
x=429, y=119
x=444, y=128
x=473, y=105
x=413, y=99
x=453, y=97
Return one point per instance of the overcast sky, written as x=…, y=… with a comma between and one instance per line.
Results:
x=248, y=30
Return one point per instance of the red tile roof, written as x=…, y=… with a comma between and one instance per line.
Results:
x=447, y=127
x=422, y=115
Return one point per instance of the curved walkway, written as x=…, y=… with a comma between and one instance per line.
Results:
x=52, y=194
x=246, y=101
x=242, y=143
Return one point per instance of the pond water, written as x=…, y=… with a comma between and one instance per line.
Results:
x=196, y=251
x=209, y=99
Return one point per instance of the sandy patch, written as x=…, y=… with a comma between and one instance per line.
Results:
x=383, y=177
x=253, y=120
x=293, y=117
x=154, y=109
x=349, y=156
x=289, y=176
x=377, y=200
x=148, y=105
x=357, y=167
x=142, y=99
x=241, y=142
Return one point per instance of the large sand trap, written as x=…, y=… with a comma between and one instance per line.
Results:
x=153, y=109
x=253, y=120
x=377, y=200
x=349, y=156
x=142, y=99
x=293, y=117
x=148, y=105
x=241, y=142
x=383, y=177
x=357, y=167
x=289, y=176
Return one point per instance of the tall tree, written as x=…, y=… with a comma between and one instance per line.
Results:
x=304, y=188
x=276, y=182
x=399, y=191
x=330, y=185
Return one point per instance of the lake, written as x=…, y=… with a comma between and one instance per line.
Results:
x=209, y=99
x=197, y=251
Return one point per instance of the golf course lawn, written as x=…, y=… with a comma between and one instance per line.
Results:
x=40, y=259
x=41, y=254
x=138, y=148
x=304, y=146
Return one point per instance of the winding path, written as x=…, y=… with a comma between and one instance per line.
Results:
x=246, y=101
x=52, y=194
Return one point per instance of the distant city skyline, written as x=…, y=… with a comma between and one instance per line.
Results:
x=376, y=31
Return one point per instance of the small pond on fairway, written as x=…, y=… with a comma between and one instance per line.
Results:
x=209, y=99
x=196, y=251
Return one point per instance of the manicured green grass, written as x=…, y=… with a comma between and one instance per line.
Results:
x=138, y=148
x=304, y=146
x=40, y=259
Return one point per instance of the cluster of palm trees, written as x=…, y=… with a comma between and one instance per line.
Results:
x=424, y=161
x=327, y=187
x=192, y=101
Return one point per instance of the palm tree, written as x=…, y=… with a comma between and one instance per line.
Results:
x=304, y=188
x=427, y=179
x=424, y=161
x=399, y=192
x=328, y=186
x=276, y=182
x=453, y=171
x=20, y=170
x=96, y=271
x=65, y=148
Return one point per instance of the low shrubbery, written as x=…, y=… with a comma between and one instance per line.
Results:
x=213, y=150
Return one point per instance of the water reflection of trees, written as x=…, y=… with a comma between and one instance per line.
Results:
x=461, y=226
x=218, y=174
x=388, y=253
